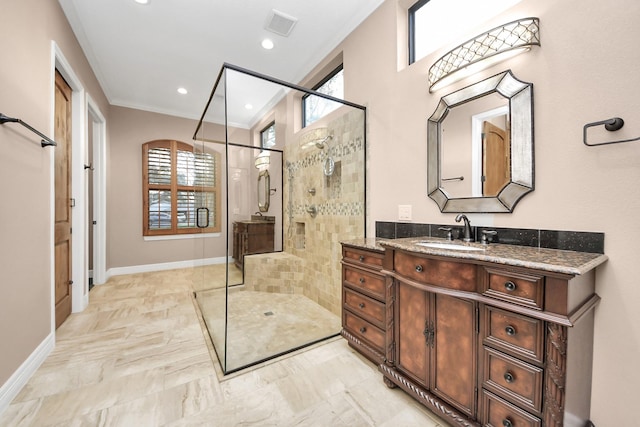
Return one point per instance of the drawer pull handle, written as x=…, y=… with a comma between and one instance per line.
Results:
x=508, y=377
x=419, y=268
x=361, y=258
x=510, y=286
x=361, y=280
x=361, y=305
x=510, y=330
x=507, y=422
x=363, y=329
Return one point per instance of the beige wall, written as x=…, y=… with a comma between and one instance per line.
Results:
x=586, y=70
x=129, y=129
x=27, y=28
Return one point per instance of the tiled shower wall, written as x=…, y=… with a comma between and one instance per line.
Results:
x=339, y=202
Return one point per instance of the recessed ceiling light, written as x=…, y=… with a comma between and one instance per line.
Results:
x=182, y=91
x=142, y=1
x=248, y=106
x=267, y=44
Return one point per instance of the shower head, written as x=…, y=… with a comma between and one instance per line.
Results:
x=320, y=144
x=315, y=137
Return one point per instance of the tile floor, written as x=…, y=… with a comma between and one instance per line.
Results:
x=262, y=324
x=137, y=356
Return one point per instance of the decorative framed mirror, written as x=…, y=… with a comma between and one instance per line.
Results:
x=264, y=191
x=480, y=146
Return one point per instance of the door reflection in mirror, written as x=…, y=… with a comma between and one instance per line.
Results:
x=473, y=160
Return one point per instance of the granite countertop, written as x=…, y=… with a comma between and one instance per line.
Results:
x=369, y=243
x=551, y=260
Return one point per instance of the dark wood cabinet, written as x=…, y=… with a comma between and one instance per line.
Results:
x=487, y=344
x=364, y=301
x=252, y=237
x=438, y=350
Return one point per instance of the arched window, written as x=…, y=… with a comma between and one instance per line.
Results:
x=181, y=189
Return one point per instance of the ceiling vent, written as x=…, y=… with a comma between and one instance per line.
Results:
x=280, y=23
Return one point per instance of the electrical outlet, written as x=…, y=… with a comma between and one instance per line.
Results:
x=404, y=212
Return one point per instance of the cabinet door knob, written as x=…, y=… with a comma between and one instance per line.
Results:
x=361, y=305
x=507, y=422
x=361, y=258
x=510, y=286
x=419, y=268
x=361, y=280
x=508, y=377
x=363, y=329
x=510, y=330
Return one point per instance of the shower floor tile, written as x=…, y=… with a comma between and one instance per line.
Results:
x=261, y=325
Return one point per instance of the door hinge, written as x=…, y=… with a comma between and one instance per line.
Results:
x=73, y=202
x=71, y=282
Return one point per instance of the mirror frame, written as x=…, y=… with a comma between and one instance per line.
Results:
x=265, y=186
x=520, y=96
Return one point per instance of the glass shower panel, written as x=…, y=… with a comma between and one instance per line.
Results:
x=211, y=275
x=286, y=208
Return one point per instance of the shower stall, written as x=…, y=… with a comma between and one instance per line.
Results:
x=270, y=281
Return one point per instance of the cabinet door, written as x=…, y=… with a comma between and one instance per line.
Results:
x=453, y=360
x=412, y=314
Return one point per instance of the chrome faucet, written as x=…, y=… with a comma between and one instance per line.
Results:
x=467, y=227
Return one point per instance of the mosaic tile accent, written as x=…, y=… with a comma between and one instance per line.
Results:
x=339, y=204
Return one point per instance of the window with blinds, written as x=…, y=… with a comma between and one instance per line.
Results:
x=180, y=189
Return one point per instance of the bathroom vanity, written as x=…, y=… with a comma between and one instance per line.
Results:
x=254, y=236
x=497, y=336
x=364, y=299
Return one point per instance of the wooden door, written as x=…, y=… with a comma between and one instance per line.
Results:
x=62, y=200
x=453, y=360
x=412, y=333
x=496, y=165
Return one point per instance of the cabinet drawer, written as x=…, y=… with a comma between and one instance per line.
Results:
x=513, y=379
x=369, y=283
x=365, y=258
x=499, y=413
x=517, y=334
x=365, y=307
x=519, y=288
x=363, y=330
x=446, y=274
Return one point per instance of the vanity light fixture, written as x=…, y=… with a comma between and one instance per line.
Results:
x=262, y=161
x=484, y=50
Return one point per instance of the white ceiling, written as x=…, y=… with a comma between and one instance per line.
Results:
x=141, y=54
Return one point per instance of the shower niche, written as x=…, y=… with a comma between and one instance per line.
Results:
x=261, y=304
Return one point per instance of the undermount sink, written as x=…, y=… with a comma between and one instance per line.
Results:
x=450, y=246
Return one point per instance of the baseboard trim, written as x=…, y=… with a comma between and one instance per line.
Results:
x=21, y=376
x=119, y=271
